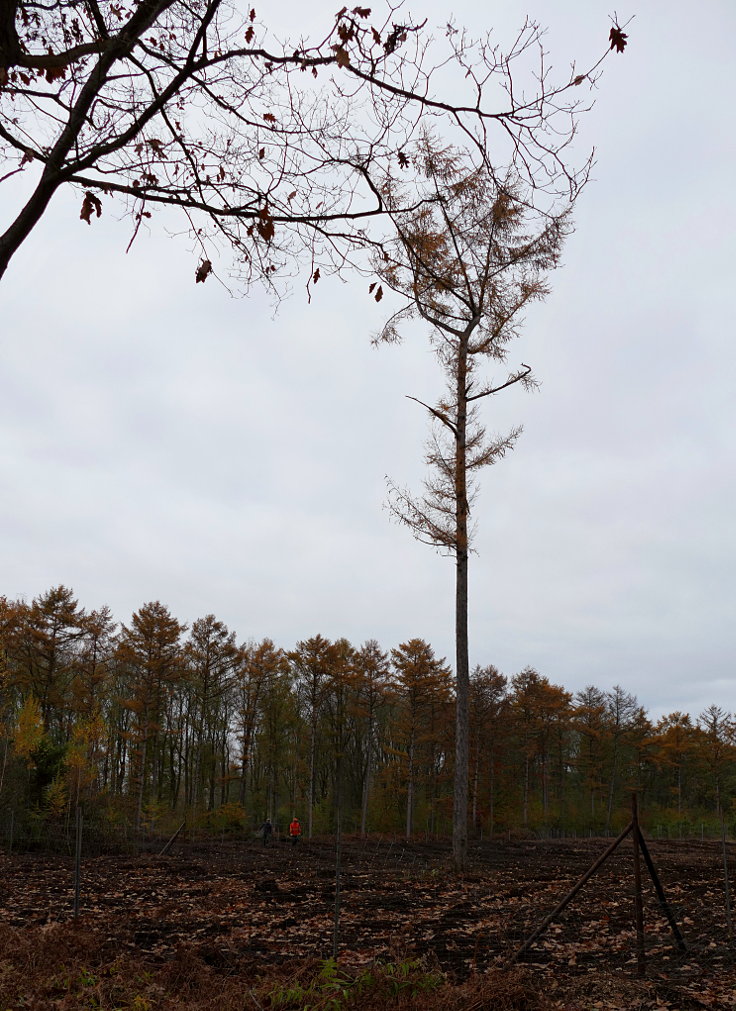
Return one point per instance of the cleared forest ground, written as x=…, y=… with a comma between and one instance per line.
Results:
x=213, y=926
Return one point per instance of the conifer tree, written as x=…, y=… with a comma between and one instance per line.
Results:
x=151, y=651
x=468, y=259
x=421, y=682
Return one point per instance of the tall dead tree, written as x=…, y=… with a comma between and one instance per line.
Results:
x=467, y=261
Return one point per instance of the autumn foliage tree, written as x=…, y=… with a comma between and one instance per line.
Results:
x=258, y=696
x=675, y=745
x=540, y=712
x=717, y=745
x=313, y=661
x=372, y=669
x=590, y=724
x=150, y=649
x=488, y=728
x=43, y=638
x=210, y=656
x=422, y=684
x=151, y=723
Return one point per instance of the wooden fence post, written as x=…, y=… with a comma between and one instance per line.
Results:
x=570, y=895
x=640, y=849
x=660, y=893
x=726, y=883
x=171, y=841
x=638, y=901
x=77, y=861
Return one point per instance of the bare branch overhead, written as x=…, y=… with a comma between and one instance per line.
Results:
x=275, y=153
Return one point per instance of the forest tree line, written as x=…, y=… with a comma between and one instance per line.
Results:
x=151, y=721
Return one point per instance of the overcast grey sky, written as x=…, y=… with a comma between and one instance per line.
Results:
x=161, y=440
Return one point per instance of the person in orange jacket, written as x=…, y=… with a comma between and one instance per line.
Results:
x=295, y=830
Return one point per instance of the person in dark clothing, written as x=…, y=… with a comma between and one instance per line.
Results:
x=266, y=832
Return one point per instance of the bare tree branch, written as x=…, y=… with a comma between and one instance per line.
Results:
x=437, y=414
x=279, y=151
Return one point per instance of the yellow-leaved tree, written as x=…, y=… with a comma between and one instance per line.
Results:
x=29, y=730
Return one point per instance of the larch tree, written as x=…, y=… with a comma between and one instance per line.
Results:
x=717, y=745
x=590, y=723
x=271, y=147
x=89, y=686
x=372, y=671
x=313, y=662
x=421, y=683
x=675, y=743
x=278, y=736
x=488, y=703
x=44, y=642
x=87, y=758
x=536, y=707
x=150, y=649
x=468, y=259
x=210, y=657
x=259, y=664
x=622, y=716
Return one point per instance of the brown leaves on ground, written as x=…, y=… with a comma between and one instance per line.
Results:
x=214, y=922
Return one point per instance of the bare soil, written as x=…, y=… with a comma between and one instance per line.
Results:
x=243, y=910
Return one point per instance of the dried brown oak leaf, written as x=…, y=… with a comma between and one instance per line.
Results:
x=264, y=224
x=203, y=271
x=91, y=204
x=618, y=39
